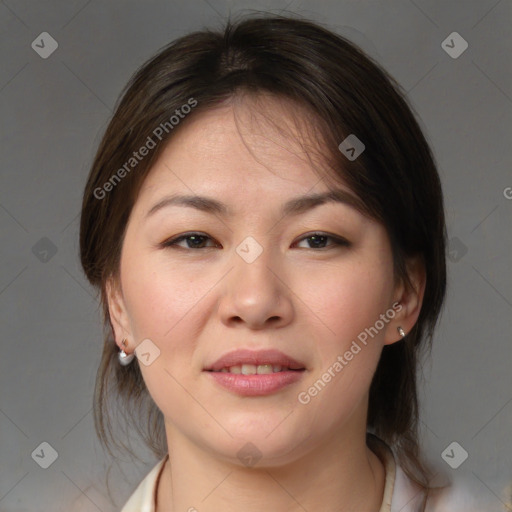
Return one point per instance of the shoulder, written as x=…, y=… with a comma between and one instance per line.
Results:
x=401, y=494
x=143, y=498
x=458, y=495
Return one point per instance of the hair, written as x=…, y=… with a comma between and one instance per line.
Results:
x=345, y=92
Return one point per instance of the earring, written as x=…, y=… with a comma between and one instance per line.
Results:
x=124, y=358
x=401, y=331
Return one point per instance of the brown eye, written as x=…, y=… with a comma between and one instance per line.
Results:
x=192, y=240
x=319, y=241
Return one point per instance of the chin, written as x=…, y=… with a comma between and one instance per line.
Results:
x=260, y=447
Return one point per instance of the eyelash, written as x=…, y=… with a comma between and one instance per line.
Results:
x=172, y=243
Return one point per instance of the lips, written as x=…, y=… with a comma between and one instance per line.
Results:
x=249, y=358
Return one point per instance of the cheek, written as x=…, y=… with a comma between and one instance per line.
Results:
x=349, y=304
x=347, y=300
x=160, y=303
x=170, y=307
x=159, y=299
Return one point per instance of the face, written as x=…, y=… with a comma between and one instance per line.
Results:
x=315, y=284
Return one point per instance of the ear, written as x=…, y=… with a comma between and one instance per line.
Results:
x=118, y=314
x=408, y=299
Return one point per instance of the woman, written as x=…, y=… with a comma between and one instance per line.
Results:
x=264, y=220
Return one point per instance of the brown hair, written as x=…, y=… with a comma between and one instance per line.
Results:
x=347, y=93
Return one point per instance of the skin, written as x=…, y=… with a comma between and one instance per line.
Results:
x=311, y=303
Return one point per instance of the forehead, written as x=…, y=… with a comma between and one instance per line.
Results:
x=261, y=144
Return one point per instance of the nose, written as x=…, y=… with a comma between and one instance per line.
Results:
x=256, y=294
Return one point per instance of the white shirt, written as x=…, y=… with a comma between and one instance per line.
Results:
x=400, y=493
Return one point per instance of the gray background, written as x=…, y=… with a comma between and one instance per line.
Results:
x=53, y=112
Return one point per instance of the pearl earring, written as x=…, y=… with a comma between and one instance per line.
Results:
x=124, y=358
x=401, y=331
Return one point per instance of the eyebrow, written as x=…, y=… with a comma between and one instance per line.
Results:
x=294, y=206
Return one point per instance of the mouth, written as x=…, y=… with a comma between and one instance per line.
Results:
x=250, y=362
x=252, y=369
x=250, y=373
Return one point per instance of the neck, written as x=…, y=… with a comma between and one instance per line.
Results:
x=196, y=480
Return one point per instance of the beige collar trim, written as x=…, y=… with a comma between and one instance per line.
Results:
x=382, y=450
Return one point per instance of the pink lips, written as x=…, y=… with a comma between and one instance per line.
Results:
x=255, y=385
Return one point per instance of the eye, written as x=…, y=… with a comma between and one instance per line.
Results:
x=318, y=240
x=192, y=240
